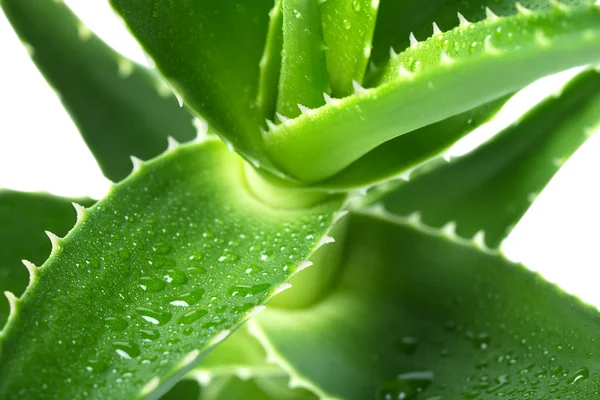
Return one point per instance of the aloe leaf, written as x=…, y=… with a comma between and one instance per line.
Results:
x=303, y=78
x=436, y=317
x=491, y=188
x=398, y=19
x=120, y=108
x=398, y=158
x=209, y=52
x=152, y=277
x=23, y=219
x=348, y=27
x=270, y=64
x=448, y=74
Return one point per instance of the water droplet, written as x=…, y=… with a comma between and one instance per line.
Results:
x=480, y=340
x=161, y=248
x=196, y=256
x=356, y=5
x=97, y=365
x=126, y=349
x=149, y=334
x=253, y=269
x=229, y=258
x=580, y=375
x=191, y=316
x=244, y=307
x=246, y=291
x=192, y=297
x=151, y=284
x=407, y=345
x=153, y=316
x=347, y=24
x=406, y=386
x=116, y=323
x=123, y=254
x=297, y=14
x=175, y=276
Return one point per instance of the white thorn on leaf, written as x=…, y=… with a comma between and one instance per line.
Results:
x=219, y=337
x=447, y=156
x=325, y=240
x=83, y=32
x=449, y=229
x=479, y=240
x=270, y=124
x=189, y=358
x=522, y=9
x=357, y=87
x=137, y=163
x=284, y=286
x=201, y=128
x=179, y=98
x=304, y=109
x=28, y=48
x=405, y=176
x=404, y=73
x=80, y=210
x=413, y=40
x=339, y=215
x=414, y=218
x=150, y=386
x=462, y=20
x=255, y=311
x=372, y=67
x=149, y=61
x=490, y=14
x=172, y=143
x=31, y=268
x=393, y=53
x=294, y=383
x=12, y=302
x=282, y=118
x=377, y=209
x=329, y=99
x=303, y=265
x=55, y=240
x=436, y=29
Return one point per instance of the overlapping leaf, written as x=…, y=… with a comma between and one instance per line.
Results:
x=448, y=74
x=120, y=108
x=151, y=278
x=490, y=189
x=421, y=314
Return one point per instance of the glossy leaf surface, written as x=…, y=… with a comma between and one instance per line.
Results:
x=209, y=52
x=348, y=31
x=23, y=219
x=491, y=188
x=449, y=74
x=421, y=314
x=303, y=78
x=151, y=278
x=120, y=108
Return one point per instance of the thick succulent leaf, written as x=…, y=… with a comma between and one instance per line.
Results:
x=448, y=74
x=120, y=108
x=303, y=78
x=397, y=19
x=401, y=156
x=270, y=64
x=419, y=310
x=23, y=219
x=209, y=52
x=151, y=278
x=491, y=188
x=185, y=389
x=348, y=27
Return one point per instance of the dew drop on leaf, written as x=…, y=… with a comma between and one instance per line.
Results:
x=116, y=323
x=191, y=316
x=127, y=349
x=406, y=386
x=153, y=316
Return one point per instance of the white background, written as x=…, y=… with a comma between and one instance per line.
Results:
x=40, y=149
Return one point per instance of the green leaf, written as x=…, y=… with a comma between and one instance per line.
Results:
x=418, y=310
x=491, y=188
x=120, y=108
x=23, y=219
x=398, y=19
x=185, y=389
x=348, y=31
x=303, y=78
x=209, y=52
x=448, y=74
x=401, y=156
x=270, y=64
x=152, y=277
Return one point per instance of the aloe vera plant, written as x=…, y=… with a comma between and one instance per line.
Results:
x=271, y=136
